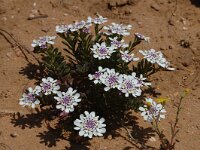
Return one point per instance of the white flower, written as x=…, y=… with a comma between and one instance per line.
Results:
x=29, y=98
x=152, y=111
x=140, y=81
x=128, y=57
x=110, y=79
x=117, y=44
x=77, y=26
x=62, y=28
x=164, y=63
x=119, y=29
x=101, y=51
x=142, y=37
x=49, y=86
x=89, y=125
x=67, y=100
x=97, y=76
x=43, y=41
x=128, y=85
x=156, y=57
x=99, y=20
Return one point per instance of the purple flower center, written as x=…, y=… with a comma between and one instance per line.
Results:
x=128, y=57
x=97, y=75
x=30, y=97
x=129, y=85
x=153, y=55
x=90, y=124
x=66, y=100
x=116, y=43
x=46, y=86
x=153, y=110
x=103, y=50
x=112, y=79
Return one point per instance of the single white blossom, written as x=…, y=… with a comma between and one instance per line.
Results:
x=101, y=51
x=126, y=57
x=97, y=77
x=62, y=28
x=110, y=79
x=49, y=86
x=67, y=100
x=90, y=125
x=119, y=29
x=43, y=41
x=117, y=44
x=128, y=85
x=99, y=20
x=30, y=97
x=152, y=111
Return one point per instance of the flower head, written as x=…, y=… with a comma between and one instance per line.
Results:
x=110, y=79
x=101, y=51
x=97, y=75
x=156, y=57
x=128, y=85
x=152, y=111
x=119, y=29
x=62, y=28
x=43, y=41
x=67, y=100
x=128, y=57
x=49, y=86
x=142, y=37
x=89, y=125
x=99, y=20
x=117, y=44
x=30, y=97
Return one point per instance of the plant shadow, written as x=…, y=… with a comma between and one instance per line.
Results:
x=33, y=71
x=195, y=2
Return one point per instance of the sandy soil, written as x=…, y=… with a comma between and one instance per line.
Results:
x=174, y=28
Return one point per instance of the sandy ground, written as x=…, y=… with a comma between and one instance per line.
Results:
x=174, y=28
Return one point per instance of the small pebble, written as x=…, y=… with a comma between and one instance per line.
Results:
x=110, y=137
x=14, y=134
x=155, y=6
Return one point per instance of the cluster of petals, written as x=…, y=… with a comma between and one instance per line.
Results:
x=29, y=98
x=81, y=25
x=118, y=29
x=152, y=111
x=126, y=57
x=49, y=86
x=102, y=51
x=131, y=84
x=127, y=84
x=90, y=125
x=67, y=100
x=117, y=44
x=142, y=37
x=156, y=57
x=43, y=41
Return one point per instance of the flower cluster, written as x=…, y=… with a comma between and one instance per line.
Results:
x=119, y=29
x=101, y=51
x=47, y=87
x=67, y=100
x=43, y=41
x=126, y=57
x=152, y=111
x=90, y=125
x=127, y=84
x=29, y=98
x=156, y=57
x=117, y=44
x=81, y=25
